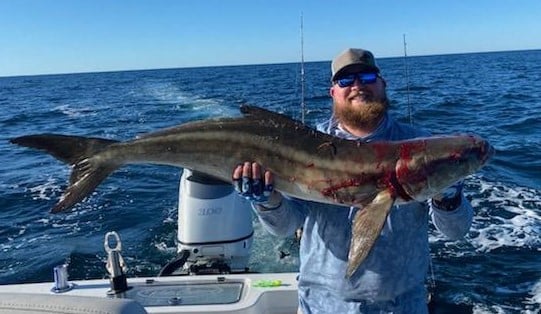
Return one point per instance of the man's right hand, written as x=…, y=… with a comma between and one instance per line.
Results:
x=256, y=185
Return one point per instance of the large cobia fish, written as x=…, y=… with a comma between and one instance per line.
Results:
x=307, y=164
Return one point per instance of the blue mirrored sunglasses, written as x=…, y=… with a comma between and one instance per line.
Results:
x=364, y=78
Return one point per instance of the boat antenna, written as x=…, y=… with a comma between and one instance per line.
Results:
x=303, y=105
x=406, y=73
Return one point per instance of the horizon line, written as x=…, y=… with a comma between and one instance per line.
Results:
x=256, y=64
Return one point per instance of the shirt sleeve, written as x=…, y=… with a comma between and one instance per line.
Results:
x=456, y=223
x=284, y=220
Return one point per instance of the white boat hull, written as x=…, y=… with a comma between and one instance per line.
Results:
x=232, y=293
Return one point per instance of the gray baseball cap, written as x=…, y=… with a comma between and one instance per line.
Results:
x=353, y=60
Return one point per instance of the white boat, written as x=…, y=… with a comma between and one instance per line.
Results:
x=214, y=243
x=233, y=293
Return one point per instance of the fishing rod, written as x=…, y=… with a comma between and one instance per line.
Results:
x=303, y=105
x=431, y=276
x=410, y=109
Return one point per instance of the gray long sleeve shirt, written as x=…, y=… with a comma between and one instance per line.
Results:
x=391, y=279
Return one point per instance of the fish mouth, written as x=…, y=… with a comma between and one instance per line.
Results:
x=491, y=150
x=486, y=152
x=478, y=155
x=481, y=150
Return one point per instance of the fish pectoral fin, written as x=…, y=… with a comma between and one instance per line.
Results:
x=366, y=228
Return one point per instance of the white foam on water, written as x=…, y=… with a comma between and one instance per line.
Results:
x=504, y=216
x=164, y=248
x=534, y=301
x=510, y=220
x=181, y=100
x=507, y=217
x=494, y=309
x=47, y=190
x=74, y=112
x=165, y=92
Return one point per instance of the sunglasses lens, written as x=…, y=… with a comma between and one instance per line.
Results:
x=364, y=78
x=346, y=80
x=368, y=78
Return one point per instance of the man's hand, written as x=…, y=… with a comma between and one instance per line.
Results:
x=256, y=185
x=450, y=198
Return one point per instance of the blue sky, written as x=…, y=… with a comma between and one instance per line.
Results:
x=67, y=36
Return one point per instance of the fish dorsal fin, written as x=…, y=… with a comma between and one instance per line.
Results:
x=366, y=228
x=261, y=120
x=261, y=114
x=256, y=114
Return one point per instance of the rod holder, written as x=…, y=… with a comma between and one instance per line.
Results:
x=61, y=283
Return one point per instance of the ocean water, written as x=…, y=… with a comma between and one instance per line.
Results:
x=495, y=269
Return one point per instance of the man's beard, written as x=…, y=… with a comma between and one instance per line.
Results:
x=366, y=116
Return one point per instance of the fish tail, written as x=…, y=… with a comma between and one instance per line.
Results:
x=77, y=151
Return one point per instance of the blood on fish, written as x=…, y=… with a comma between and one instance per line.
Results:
x=381, y=151
x=332, y=189
x=411, y=148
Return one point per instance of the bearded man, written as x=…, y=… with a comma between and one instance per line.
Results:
x=392, y=277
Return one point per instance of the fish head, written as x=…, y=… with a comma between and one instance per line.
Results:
x=427, y=166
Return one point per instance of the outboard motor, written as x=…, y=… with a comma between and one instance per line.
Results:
x=215, y=230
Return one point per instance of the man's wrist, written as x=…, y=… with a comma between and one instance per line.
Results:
x=274, y=201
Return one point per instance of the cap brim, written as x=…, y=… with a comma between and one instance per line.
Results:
x=354, y=68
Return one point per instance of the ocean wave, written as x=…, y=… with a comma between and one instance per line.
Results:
x=191, y=105
x=509, y=217
x=47, y=190
x=533, y=302
x=75, y=112
x=505, y=216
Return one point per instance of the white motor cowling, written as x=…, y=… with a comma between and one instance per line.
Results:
x=214, y=225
